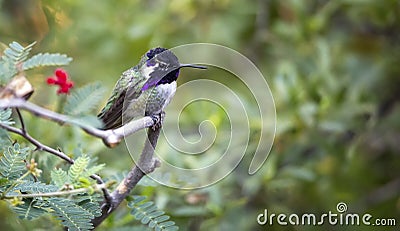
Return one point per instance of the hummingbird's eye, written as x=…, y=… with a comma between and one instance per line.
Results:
x=163, y=66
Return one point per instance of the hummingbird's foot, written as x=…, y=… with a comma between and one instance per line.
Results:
x=158, y=120
x=107, y=206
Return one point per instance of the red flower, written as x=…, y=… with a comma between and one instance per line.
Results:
x=61, y=79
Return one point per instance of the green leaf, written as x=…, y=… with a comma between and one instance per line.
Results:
x=147, y=214
x=35, y=187
x=167, y=224
x=161, y=219
x=12, y=56
x=92, y=208
x=94, y=170
x=137, y=199
x=7, y=71
x=28, y=210
x=59, y=177
x=171, y=228
x=46, y=59
x=71, y=215
x=90, y=203
x=84, y=100
x=17, y=52
x=12, y=164
x=5, y=116
x=156, y=213
x=146, y=204
x=78, y=168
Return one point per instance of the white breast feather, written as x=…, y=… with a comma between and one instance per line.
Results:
x=168, y=91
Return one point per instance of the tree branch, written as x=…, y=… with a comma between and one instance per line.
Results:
x=146, y=164
x=110, y=137
x=39, y=146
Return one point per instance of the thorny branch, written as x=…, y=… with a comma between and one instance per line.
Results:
x=147, y=163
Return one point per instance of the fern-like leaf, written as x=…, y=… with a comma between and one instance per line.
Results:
x=35, y=187
x=59, y=177
x=12, y=163
x=16, y=52
x=11, y=57
x=90, y=203
x=93, y=170
x=84, y=99
x=28, y=210
x=46, y=59
x=73, y=216
x=5, y=116
x=148, y=214
x=78, y=168
x=7, y=71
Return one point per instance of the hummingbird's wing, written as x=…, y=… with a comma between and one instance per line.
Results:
x=111, y=114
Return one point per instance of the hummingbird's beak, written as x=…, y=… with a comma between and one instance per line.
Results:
x=192, y=66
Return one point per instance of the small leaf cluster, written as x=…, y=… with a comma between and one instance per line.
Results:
x=148, y=214
x=83, y=101
x=12, y=164
x=78, y=105
x=77, y=176
x=5, y=116
x=15, y=59
x=31, y=198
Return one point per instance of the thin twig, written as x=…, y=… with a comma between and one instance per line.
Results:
x=21, y=120
x=49, y=194
x=42, y=147
x=39, y=145
x=146, y=164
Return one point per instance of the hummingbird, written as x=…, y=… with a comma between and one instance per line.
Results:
x=143, y=90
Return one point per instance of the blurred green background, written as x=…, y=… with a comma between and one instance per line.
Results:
x=333, y=68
